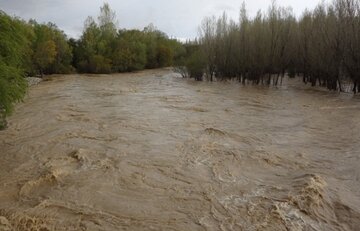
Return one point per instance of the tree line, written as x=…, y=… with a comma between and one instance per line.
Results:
x=103, y=48
x=322, y=46
x=33, y=49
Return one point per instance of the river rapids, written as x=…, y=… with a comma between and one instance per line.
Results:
x=153, y=151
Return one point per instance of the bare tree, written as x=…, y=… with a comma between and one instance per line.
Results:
x=323, y=46
x=207, y=38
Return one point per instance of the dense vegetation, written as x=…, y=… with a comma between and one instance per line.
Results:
x=104, y=49
x=323, y=46
x=14, y=47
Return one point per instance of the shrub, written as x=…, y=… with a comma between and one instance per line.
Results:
x=195, y=65
x=12, y=89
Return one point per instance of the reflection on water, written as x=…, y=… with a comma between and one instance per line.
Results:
x=151, y=151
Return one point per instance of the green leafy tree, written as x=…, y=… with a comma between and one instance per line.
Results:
x=51, y=50
x=130, y=52
x=196, y=65
x=14, y=46
x=164, y=55
x=45, y=54
x=99, y=64
x=63, y=59
x=95, y=48
x=123, y=50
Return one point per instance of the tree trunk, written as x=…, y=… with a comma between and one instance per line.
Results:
x=339, y=82
x=277, y=79
x=269, y=80
x=355, y=87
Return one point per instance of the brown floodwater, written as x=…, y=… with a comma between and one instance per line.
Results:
x=153, y=151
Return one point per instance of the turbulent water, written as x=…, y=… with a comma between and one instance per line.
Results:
x=152, y=151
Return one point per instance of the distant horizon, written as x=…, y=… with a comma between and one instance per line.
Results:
x=178, y=20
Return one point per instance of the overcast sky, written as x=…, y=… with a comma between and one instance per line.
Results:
x=177, y=18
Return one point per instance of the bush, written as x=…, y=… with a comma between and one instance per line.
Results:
x=12, y=89
x=195, y=65
x=129, y=55
x=164, y=56
x=14, y=46
x=98, y=64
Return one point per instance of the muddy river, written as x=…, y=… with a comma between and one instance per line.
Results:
x=152, y=151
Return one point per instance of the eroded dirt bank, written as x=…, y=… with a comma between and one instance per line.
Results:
x=151, y=151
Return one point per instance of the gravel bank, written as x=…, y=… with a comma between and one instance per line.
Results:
x=33, y=81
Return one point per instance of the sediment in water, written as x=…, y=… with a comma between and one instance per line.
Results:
x=150, y=151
